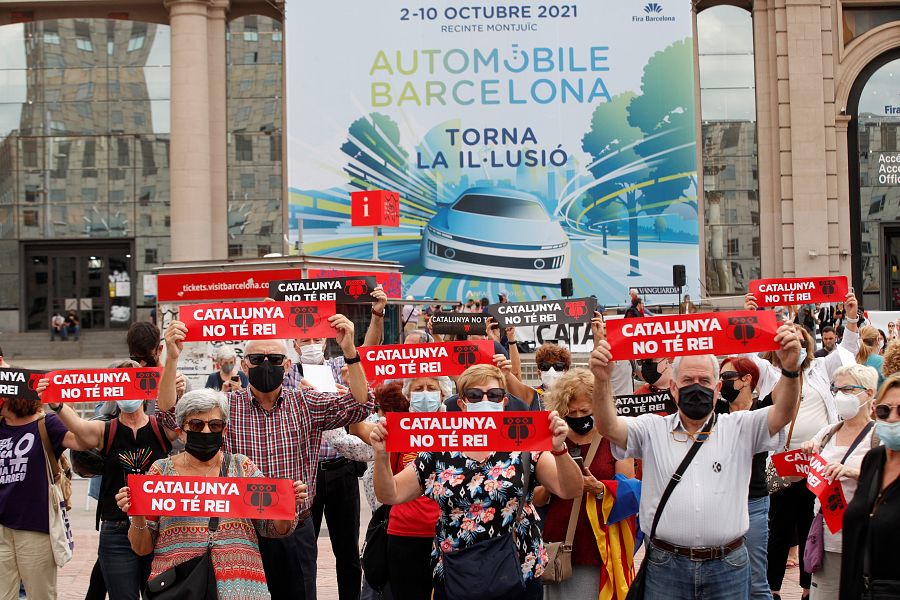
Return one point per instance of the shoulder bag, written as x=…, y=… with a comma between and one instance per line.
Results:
x=878, y=589
x=559, y=554
x=374, y=555
x=814, y=551
x=638, y=586
x=62, y=541
x=194, y=579
x=775, y=482
x=490, y=569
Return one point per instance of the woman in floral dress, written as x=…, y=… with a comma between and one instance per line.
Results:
x=478, y=492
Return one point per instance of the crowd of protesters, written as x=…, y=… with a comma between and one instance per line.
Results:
x=692, y=487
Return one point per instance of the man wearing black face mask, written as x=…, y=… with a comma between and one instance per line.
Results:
x=657, y=373
x=281, y=431
x=697, y=546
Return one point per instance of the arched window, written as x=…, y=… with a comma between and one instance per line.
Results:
x=730, y=171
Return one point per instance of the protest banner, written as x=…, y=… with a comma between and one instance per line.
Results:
x=799, y=290
x=19, y=383
x=544, y=312
x=719, y=333
x=233, y=497
x=92, y=385
x=793, y=463
x=391, y=283
x=342, y=290
x=830, y=494
x=635, y=405
x=257, y=321
x=451, y=323
x=469, y=432
x=404, y=361
x=219, y=285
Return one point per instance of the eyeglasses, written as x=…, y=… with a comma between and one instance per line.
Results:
x=476, y=395
x=730, y=375
x=198, y=425
x=257, y=359
x=883, y=411
x=684, y=436
x=847, y=389
x=546, y=366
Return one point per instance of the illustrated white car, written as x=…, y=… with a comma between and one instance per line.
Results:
x=497, y=233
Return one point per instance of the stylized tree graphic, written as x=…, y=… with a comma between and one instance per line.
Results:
x=373, y=144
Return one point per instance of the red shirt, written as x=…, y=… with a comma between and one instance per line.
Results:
x=416, y=518
x=584, y=551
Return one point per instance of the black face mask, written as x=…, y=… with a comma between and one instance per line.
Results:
x=266, y=377
x=203, y=446
x=649, y=372
x=695, y=401
x=728, y=392
x=581, y=425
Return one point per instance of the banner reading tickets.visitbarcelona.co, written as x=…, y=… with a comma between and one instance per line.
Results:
x=528, y=141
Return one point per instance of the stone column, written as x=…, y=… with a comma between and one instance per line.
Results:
x=189, y=155
x=218, y=163
x=841, y=124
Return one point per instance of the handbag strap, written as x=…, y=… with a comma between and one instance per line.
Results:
x=858, y=440
x=49, y=454
x=676, y=477
x=576, y=505
x=794, y=418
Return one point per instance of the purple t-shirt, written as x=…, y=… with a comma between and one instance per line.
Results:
x=23, y=474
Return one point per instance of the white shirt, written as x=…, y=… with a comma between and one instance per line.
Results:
x=811, y=418
x=708, y=507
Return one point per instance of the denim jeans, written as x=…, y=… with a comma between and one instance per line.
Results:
x=757, y=542
x=674, y=577
x=124, y=572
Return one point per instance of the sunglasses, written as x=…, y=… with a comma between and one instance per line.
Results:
x=883, y=411
x=546, y=366
x=257, y=359
x=730, y=375
x=198, y=425
x=476, y=395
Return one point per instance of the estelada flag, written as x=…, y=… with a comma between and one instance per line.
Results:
x=799, y=290
x=614, y=526
x=257, y=321
x=404, y=361
x=721, y=333
x=91, y=385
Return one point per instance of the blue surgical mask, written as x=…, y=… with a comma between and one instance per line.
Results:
x=889, y=433
x=484, y=406
x=425, y=401
x=802, y=356
x=129, y=406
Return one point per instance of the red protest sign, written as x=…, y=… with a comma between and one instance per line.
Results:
x=830, y=495
x=391, y=283
x=223, y=285
x=90, y=385
x=721, y=333
x=403, y=361
x=792, y=463
x=235, y=497
x=799, y=290
x=257, y=321
x=444, y=432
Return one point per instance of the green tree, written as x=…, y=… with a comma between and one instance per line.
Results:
x=373, y=141
x=660, y=226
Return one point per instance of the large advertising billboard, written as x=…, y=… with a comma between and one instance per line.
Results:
x=528, y=141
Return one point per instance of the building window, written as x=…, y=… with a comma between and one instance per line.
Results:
x=251, y=31
x=263, y=249
x=235, y=250
x=30, y=218
x=83, y=37
x=728, y=131
x=248, y=181
x=150, y=256
x=138, y=36
x=51, y=33
x=243, y=147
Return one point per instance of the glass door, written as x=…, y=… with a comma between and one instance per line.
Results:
x=892, y=268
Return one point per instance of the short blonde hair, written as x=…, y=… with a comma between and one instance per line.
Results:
x=479, y=375
x=861, y=374
x=568, y=387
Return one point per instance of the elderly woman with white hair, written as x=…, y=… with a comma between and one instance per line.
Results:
x=843, y=447
x=202, y=418
x=227, y=378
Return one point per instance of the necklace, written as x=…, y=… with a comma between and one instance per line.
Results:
x=185, y=465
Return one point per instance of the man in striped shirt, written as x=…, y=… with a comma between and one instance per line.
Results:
x=281, y=431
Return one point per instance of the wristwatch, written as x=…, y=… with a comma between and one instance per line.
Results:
x=790, y=374
x=350, y=361
x=55, y=407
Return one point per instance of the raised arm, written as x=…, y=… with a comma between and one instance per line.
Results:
x=608, y=422
x=514, y=357
x=83, y=434
x=513, y=384
x=786, y=394
x=559, y=473
x=174, y=340
x=375, y=332
x=356, y=377
x=389, y=488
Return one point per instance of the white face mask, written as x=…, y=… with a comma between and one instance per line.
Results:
x=312, y=354
x=425, y=401
x=549, y=377
x=484, y=406
x=847, y=405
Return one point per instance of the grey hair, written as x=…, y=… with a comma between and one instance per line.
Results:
x=200, y=401
x=225, y=353
x=286, y=346
x=676, y=364
x=443, y=382
x=861, y=374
